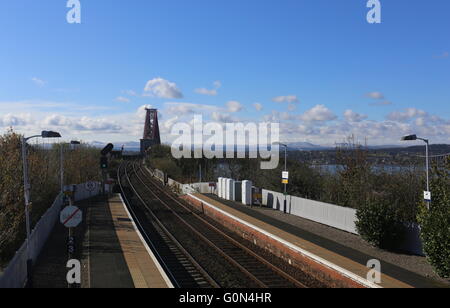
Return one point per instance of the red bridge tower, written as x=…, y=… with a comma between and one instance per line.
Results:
x=151, y=131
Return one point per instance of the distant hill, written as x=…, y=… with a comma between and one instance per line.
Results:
x=134, y=146
x=435, y=149
x=131, y=146
x=306, y=146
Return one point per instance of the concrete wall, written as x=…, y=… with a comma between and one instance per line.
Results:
x=15, y=275
x=328, y=214
x=219, y=187
x=246, y=192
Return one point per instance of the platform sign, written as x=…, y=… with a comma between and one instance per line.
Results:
x=71, y=216
x=90, y=186
x=427, y=195
x=69, y=190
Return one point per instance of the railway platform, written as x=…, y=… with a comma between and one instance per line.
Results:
x=111, y=251
x=290, y=242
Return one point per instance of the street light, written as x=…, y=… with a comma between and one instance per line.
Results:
x=27, y=188
x=62, y=161
x=427, y=144
x=285, y=169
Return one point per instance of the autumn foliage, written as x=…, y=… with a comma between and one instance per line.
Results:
x=81, y=165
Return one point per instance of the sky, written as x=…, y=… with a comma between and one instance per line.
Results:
x=315, y=66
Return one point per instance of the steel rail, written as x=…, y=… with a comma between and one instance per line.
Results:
x=226, y=236
x=203, y=272
x=207, y=241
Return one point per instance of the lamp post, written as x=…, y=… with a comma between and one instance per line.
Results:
x=27, y=189
x=61, y=158
x=285, y=169
x=427, y=144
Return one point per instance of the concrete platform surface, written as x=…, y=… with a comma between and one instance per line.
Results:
x=111, y=251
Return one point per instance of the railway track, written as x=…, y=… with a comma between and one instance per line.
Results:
x=179, y=265
x=171, y=213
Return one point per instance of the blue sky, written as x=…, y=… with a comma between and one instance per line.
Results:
x=316, y=66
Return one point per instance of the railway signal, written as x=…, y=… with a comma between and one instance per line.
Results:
x=107, y=149
x=103, y=162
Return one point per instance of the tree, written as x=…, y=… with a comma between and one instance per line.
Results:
x=81, y=165
x=354, y=173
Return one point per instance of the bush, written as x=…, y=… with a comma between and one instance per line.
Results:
x=435, y=223
x=378, y=223
x=435, y=234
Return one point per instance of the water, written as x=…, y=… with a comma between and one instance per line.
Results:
x=377, y=168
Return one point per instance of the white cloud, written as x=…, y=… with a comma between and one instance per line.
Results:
x=352, y=116
x=212, y=92
x=258, y=106
x=39, y=82
x=286, y=99
x=375, y=95
x=140, y=113
x=234, y=106
x=182, y=109
x=122, y=99
x=15, y=120
x=381, y=103
x=222, y=117
x=189, y=108
x=167, y=125
x=291, y=107
x=57, y=120
x=204, y=91
x=319, y=113
x=83, y=124
x=420, y=122
x=96, y=124
x=78, y=122
x=406, y=115
x=162, y=88
x=276, y=116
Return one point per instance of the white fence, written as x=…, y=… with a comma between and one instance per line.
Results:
x=15, y=275
x=328, y=214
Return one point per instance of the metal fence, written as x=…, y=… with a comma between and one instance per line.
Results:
x=15, y=274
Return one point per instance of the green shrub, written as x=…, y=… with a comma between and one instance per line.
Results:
x=435, y=223
x=379, y=224
x=435, y=234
